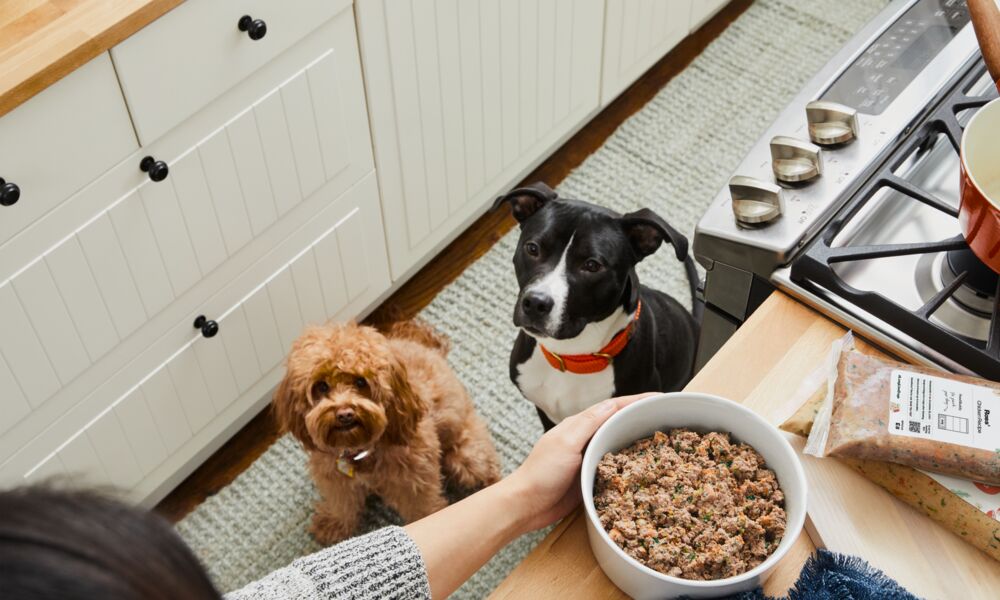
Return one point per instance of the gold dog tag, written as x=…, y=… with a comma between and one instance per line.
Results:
x=345, y=466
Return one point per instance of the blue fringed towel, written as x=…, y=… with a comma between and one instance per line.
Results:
x=830, y=576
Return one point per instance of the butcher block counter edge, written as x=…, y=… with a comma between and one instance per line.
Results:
x=42, y=42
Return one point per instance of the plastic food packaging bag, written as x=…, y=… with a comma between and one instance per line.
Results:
x=880, y=409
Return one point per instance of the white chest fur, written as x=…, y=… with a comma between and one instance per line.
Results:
x=561, y=394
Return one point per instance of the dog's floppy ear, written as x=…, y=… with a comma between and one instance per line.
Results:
x=526, y=201
x=403, y=407
x=287, y=409
x=646, y=230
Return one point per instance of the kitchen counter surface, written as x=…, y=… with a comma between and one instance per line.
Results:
x=761, y=366
x=42, y=41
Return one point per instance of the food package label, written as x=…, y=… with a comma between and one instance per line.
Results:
x=943, y=410
x=983, y=496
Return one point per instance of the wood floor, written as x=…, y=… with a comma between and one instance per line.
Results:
x=251, y=441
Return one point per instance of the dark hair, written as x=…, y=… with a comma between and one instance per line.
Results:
x=77, y=544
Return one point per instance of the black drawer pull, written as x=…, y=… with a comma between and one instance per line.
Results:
x=255, y=28
x=9, y=193
x=208, y=328
x=157, y=169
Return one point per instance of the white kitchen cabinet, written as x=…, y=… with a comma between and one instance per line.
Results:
x=163, y=410
x=146, y=249
x=703, y=10
x=637, y=33
x=61, y=140
x=464, y=98
x=189, y=56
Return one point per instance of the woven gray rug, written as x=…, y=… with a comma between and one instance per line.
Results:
x=672, y=156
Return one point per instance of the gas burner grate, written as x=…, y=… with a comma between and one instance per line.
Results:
x=814, y=267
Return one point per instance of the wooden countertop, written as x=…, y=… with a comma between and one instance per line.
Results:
x=42, y=41
x=562, y=565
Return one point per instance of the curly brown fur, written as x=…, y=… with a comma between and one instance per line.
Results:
x=418, y=331
x=350, y=388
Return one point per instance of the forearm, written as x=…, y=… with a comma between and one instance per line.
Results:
x=455, y=541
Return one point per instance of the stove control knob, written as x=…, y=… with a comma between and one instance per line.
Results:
x=831, y=123
x=794, y=160
x=755, y=202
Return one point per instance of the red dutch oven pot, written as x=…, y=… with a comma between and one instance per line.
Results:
x=979, y=212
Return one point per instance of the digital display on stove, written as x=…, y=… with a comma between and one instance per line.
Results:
x=891, y=62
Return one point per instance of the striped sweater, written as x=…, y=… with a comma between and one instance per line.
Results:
x=383, y=564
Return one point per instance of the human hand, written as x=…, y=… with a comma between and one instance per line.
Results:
x=546, y=486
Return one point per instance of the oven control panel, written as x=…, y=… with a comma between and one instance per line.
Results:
x=844, y=112
x=880, y=73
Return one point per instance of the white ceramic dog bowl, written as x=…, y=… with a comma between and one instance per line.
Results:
x=700, y=412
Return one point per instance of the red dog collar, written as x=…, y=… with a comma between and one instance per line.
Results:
x=594, y=362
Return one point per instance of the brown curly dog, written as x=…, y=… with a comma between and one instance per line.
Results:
x=381, y=414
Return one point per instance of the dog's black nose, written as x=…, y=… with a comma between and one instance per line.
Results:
x=536, y=304
x=346, y=416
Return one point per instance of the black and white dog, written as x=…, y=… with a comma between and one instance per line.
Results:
x=588, y=329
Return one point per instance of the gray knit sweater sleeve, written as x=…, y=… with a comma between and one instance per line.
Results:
x=382, y=564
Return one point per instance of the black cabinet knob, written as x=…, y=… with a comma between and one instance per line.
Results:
x=9, y=193
x=255, y=28
x=157, y=169
x=208, y=328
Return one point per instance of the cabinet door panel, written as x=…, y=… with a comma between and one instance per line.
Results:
x=637, y=33
x=49, y=318
x=13, y=405
x=166, y=408
x=23, y=351
x=179, y=63
x=199, y=213
x=281, y=290
x=108, y=439
x=263, y=330
x=331, y=274
x=107, y=261
x=270, y=115
x=307, y=286
x=62, y=139
x=75, y=281
x=172, y=237
x=240, y=348
x=471, y=107
x=528, y=72
x=331, y=127
x=457, y=111
x=214, y=362
x=142, y=253
x=186, y=375
x=297, y=100
x=82, y=464
x=423, y=22
x=546, y=64
x=141, y=430
x=249, y=158
x=224, y=185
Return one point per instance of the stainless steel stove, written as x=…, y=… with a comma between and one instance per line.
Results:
x=850, y=200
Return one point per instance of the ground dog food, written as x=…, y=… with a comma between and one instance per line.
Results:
x=690, y=505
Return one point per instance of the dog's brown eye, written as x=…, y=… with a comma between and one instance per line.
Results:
x=592, y=266
x=360, y=383
x=320, y=388
x=531, y=248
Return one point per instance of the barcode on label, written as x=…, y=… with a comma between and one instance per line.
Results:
x=914, y=426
